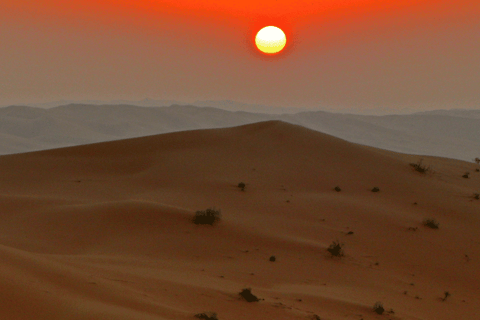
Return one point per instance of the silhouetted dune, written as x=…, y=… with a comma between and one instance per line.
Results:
x=446, y=133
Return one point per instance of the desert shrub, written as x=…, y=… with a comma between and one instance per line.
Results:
x=378, y=307
x=420, y=167
x=431, y=223
x=207, y=316
x=208, y=216
x=476, y=196
x=477, y=160
x=241, y=185
x=466, y=175
x=248, y=296
x=375, y=189
x=273, y=259
x=336, y=249
x=446, y=295
x=337, y=188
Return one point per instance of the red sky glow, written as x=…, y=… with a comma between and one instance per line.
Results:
x=341, y=54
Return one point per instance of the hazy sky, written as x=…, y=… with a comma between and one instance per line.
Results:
x=341, y=55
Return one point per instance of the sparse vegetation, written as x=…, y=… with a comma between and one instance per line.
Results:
x=375, y=189
x=431, y=223
x=477, y=160
x=476, y=196
x=446, y=295
x=207, y=316
x=272, y=259
x=241, y=185
x=378, y=307
x=248, y=296
x=336, y=249
x=209, y=216
x=466, y=175
x=337, y=188
x=420, y=167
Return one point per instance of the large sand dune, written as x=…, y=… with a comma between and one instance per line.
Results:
x=104, y=231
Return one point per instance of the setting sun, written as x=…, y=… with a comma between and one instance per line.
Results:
x=270, y=40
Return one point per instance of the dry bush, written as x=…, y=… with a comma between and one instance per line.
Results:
x=336, y=249
x=420, y=167
x=378, y=307
x=209, y=216
x=207, y=316
x=431, y=223
x=446, y=295
x=248, y=295
x=241, y=185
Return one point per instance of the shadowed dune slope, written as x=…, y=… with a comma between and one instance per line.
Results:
x=105, y=231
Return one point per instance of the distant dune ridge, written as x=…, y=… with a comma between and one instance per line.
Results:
x=445, y=133
x=104, y=231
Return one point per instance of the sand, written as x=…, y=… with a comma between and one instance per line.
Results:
x=104, y=231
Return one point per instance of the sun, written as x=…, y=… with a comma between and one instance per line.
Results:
x=270, y=40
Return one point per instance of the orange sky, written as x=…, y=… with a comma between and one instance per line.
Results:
x=342, y=55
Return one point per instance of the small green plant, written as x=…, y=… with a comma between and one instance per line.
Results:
x=336, y=249
x=378, y=307
x=337, y=188
x=241, y=185
x=446, y=295
x=431, y=223
x=207, y=316
x=248, y=295
x=209, y=216
x=420, y=167
x=375, y=189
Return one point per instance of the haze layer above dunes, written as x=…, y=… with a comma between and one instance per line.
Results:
x=104, y=231
x=452, y=134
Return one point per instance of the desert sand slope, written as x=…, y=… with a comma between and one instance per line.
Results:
x=104, y=231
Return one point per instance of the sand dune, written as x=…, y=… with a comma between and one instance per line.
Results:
x=448, y=133
x=104, y=231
